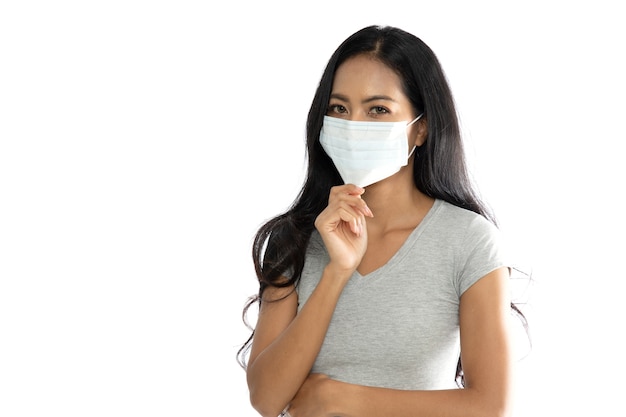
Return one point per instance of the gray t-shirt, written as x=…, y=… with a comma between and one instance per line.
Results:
x=398, y=327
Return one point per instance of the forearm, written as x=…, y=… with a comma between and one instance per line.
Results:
x=277, y=373
x=364, y=401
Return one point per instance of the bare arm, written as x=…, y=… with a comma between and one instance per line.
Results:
x=286, y=343
x=484, y=322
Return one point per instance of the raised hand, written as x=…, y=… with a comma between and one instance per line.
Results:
x=342, y=227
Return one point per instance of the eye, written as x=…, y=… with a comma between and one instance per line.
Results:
x=337, y=108
x=379, y=110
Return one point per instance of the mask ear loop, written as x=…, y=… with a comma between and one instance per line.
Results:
x=415, y=120
x=414, y=146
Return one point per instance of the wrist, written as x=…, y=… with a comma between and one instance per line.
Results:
x=338, y=273
x=345, y=398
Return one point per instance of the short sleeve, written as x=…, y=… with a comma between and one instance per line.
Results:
x=480, y=253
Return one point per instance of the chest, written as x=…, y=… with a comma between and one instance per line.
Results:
x=381, y=249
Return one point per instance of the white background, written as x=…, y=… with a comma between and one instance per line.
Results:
x=142, y=144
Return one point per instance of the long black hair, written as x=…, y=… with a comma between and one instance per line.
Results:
x=440, y=169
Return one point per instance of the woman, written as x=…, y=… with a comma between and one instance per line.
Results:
x=385, y=278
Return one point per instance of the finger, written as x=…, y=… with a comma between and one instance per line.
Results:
x=364, y=208
x=359, y=205
x=354, y=219
x=354, y=189
x=355, y=210
x=341, y=212
x=350, y=189
x=351, y=194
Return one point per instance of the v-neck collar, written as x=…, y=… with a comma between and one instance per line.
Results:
x=402, y=251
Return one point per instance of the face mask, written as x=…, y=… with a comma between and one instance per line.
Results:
x=366, y=152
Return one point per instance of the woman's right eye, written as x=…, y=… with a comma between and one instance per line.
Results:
x=336, y=108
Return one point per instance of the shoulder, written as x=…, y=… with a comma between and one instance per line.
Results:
x=476, y=243
x=463, y=223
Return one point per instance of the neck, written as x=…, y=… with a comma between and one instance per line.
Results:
x=396, y=202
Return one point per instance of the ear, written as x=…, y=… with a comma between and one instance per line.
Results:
x=421, y=131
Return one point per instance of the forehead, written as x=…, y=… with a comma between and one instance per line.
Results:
x=365, y=75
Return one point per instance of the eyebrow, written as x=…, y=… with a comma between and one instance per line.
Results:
x=367, y=100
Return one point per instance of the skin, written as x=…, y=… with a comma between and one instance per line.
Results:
x=362, y=230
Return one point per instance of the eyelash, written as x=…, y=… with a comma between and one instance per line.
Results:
x=334, y=108
x=380, y=110
x=338, y=108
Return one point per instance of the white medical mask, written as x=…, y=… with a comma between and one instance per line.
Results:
x=366, y=152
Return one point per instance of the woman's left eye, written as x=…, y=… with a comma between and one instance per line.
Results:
x=379, y=110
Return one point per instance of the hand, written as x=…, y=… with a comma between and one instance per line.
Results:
x=317, y=397
x=342, y=227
